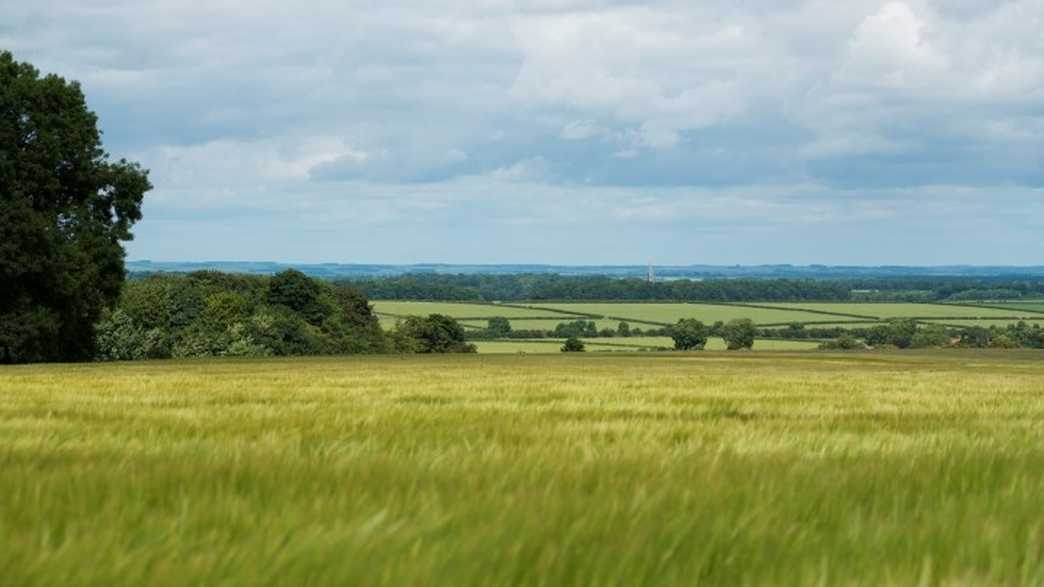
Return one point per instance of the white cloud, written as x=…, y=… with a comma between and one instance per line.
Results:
x=626, y=113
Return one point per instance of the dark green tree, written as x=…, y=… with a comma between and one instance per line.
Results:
x=624, y=329
x=739, y=334
x=689, y=334
x=297, y=291
x=976, y=337
x=499, y=326
x=573, y=345
x=433, y=334
x=65, y=211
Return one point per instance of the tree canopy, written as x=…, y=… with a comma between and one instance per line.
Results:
x=65, y=211
x=689, y=334
x=739, y=334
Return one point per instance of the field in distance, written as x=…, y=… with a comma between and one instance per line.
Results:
x=629, y=469
x=546, y=316
x=628, y=344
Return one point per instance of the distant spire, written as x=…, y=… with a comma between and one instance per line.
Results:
x=650, y=277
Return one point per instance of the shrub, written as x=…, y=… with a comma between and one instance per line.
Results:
x=689, y=335
x=573, y=345
x=739, y=334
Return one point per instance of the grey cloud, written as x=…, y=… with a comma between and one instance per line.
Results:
x=642, y=111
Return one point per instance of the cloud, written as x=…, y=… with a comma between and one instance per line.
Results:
x=665, y=120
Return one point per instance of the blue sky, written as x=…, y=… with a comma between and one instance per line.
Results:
x=566, y=131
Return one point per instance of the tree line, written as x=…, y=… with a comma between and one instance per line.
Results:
x=427, y=286
x=208, y=314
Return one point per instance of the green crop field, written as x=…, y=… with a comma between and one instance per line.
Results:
x=670, y=313
x=1036, y=307
x=527, y=324
x=607, y=469
x=543, y=317
x=986, y=323
x=852, y=324
x=899, y=310
x=628, y=344
x=455, y=310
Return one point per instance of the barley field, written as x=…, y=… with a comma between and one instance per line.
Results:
x=605, y=469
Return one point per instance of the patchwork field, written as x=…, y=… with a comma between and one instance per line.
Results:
x=528, y=324
x=671, y=313
x=609, y=469
x=1028, y=306
x=986, y=323
x=884, y=311
x=546, y=316
x=456, y=310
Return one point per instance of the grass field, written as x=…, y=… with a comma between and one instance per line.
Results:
x=671, y=313
x=551, y=324
x=884, y=311
x=456, y=310
x=629, y=344
x=1027, y=306
x=543, y=316
x=986, y=323
x=669, y=469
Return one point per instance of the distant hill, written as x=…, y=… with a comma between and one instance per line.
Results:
x=663, y=272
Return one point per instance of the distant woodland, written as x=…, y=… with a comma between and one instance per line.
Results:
x=588, y=288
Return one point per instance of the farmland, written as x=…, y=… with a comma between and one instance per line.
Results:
x=885, y=311
x=756, y=468
x=456, y=310
x=628, y=344
x=545, y=316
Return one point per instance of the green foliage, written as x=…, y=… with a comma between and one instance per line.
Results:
x=739, y=334
x=499, y=326
x=119, y=338
x=931, y=336
x=689, y=334
x=64, y=211
x=432, y=334
x=210, y=314
x=846, y=342
x=577, y=328
x=975, y=337
x=300, y=293
x=573, y=345
x=624, y=329
x=897, y=333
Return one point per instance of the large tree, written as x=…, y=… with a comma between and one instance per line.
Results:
x=65, y=210
x=689, y=334
x=739, y=334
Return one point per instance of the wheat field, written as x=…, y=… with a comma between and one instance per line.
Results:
x=667, y=469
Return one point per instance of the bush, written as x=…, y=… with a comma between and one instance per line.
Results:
x=434, y=334
x=846, y=342
x=119, y=338
x=689, y=335
x=207, y=313
x=499, y=327
x=573, y=345
x=739, y=334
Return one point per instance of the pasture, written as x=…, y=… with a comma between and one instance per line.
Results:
x=628, y=344
x=455, y=310
x=883, y=311
x=607, y=315
x=669, y=313
x=615, y=469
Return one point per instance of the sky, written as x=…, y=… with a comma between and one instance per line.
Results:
x=566, y=131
